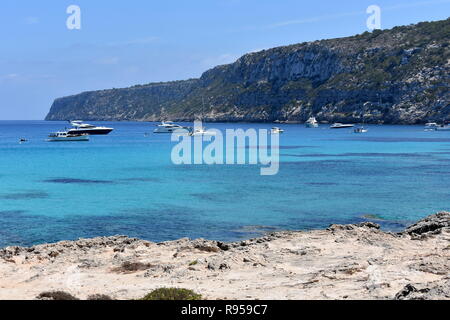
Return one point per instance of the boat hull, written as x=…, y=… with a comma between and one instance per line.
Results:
x=68, y=139
x=92, y=132
x=345, y=126
x=165, y=130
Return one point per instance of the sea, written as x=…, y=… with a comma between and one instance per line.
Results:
x=126, y=183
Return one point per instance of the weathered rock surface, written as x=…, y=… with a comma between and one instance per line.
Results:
x=343, y=262
x=430, y=225
x=431, y=291
x=400, y=75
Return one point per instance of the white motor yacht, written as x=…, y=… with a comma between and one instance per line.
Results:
x=169, y=127
x=341, y=126
x=312, y=123
x=84, y=128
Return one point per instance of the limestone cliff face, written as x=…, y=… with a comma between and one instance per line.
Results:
x=400, y=75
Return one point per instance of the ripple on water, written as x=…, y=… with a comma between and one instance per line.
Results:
x=138, y=179
x=77, y=181
x=321, y=183
x=367, y=154
x=392, y=139
x=215, y=197
x=281, y=147
x=25, y=195
x=11, y=213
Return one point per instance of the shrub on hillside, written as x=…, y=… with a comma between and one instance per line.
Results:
x=56, y=295
x=172, y=294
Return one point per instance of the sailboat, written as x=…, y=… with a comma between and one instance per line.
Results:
x=312, y=123
x=200, y=130
x=361, y=129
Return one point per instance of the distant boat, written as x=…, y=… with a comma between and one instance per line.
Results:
x=276, y=130
x=66, y=136
x=169, y=127
x=202, y=132
x=84, y=128
x=312, y=123
x=431, y=126
x=360, y=130
x=445, y=127
x=341, y=126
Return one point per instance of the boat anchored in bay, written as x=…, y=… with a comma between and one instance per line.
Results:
x=312, y=123
x=360, y=130
x=169, y=127
x=341, y=126
x=433, y=126
x=276, y=130
x=80, y=128
x=64, y=136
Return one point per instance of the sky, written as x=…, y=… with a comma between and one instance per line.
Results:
x=124, y=43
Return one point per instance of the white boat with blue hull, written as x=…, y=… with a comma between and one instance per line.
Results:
x=65, y=136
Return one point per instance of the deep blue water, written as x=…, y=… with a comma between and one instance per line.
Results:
x=125, y=183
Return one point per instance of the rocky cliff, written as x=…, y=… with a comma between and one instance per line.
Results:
x=399, y=75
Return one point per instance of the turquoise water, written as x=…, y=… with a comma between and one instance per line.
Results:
x=125, y=183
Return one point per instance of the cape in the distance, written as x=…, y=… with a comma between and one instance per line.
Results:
x=396, y=76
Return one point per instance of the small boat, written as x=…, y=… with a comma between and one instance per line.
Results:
x=312, y=123
x=276, y=130
x=84, y=128
x=360, y=130
x=341, y=126
x=66, y=136
x=198, y=129
x=169, y=127
x=21, y=140
x=444, y=127
x=431, y=126
x=202, y=132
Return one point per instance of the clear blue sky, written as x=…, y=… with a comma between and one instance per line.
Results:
x=123, y=43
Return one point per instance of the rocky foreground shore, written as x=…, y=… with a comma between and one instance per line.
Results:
x=342, y=262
